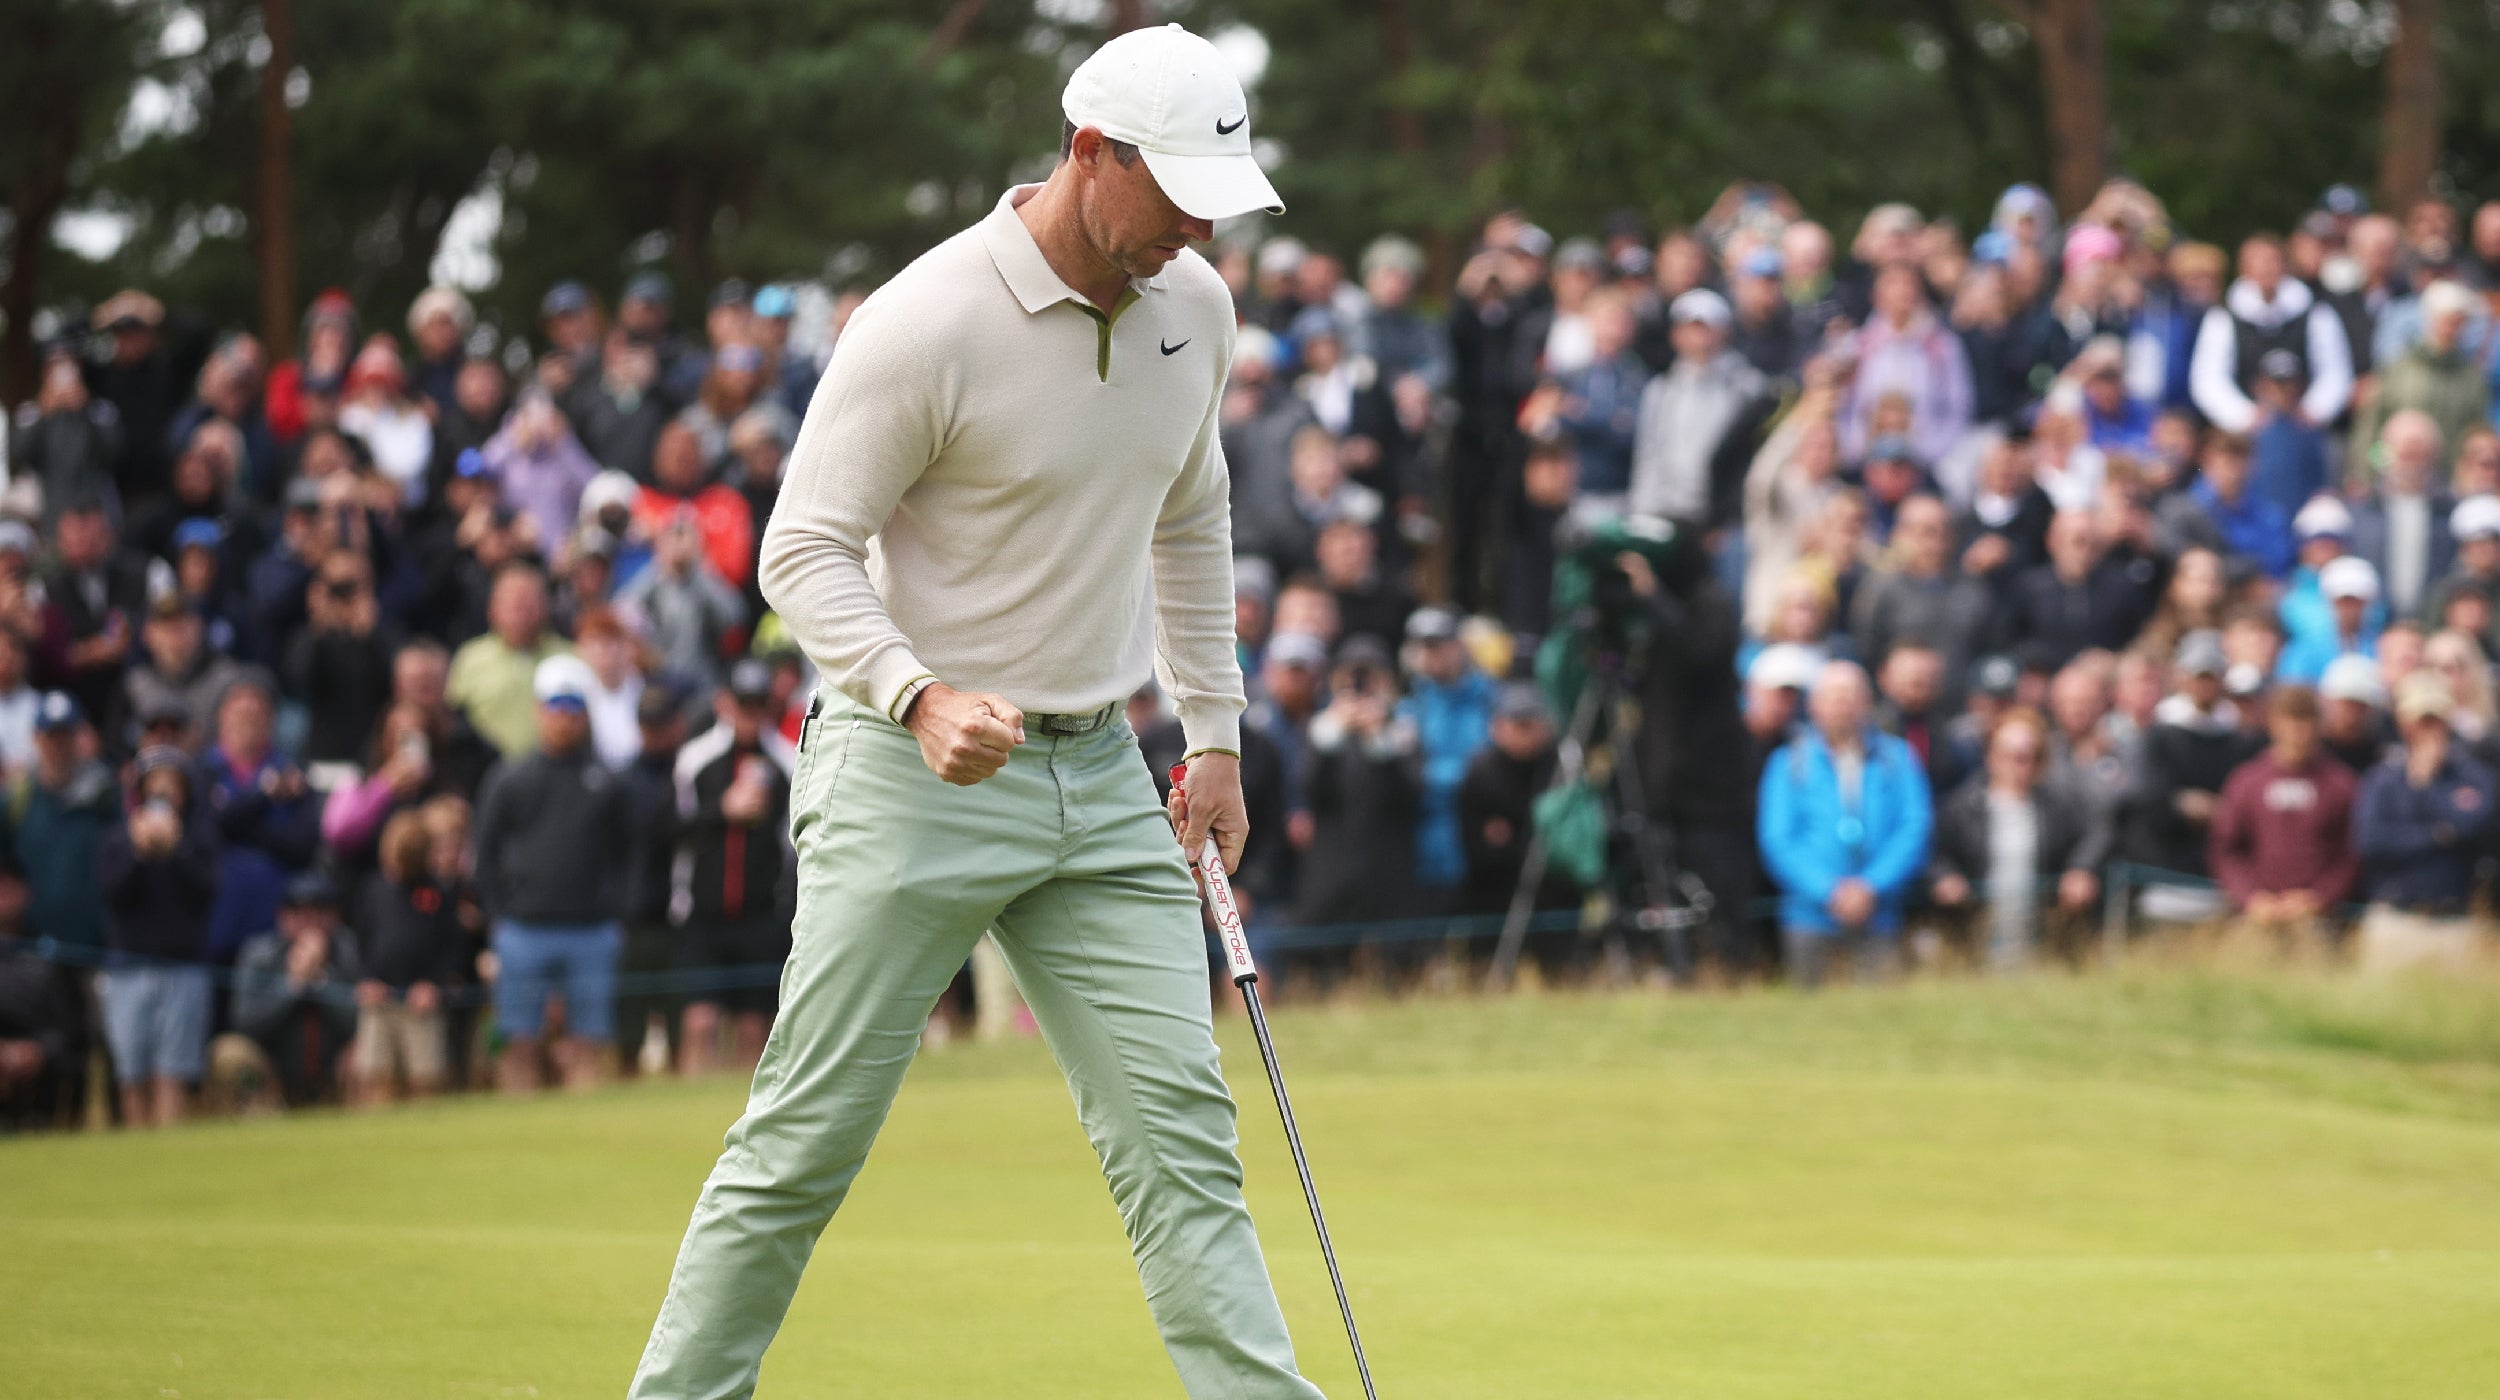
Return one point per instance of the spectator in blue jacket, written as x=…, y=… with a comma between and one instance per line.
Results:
x=1844, y=821
x=2247, y=522
x=1450, y=703
x=268, y=821
x=2351, y=588
x=2420, y=823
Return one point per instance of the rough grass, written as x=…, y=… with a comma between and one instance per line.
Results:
x=2168, y=1182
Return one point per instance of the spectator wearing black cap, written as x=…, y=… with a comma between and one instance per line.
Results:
x=645, y=311
x=1361, y=783
x=1497, y=803
x=619, y=414
x=554, y=829
x=1700, y=421
x=2189, y=752
x=295, y=999
x=650, y=947
x=340, y=664
x=146, y=376
x=158, y=873
x=570, y=318
x=177, y=674
x=733, y=807
x=96, y=593
x=58, y=805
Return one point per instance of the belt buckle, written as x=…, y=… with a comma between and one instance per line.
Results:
x=1072, y=726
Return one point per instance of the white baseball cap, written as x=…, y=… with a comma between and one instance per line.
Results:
x=1170, y=94
x=1782, y=666
x=2349, y=577
x=2350, y=677
x=2323, y=515
x=2475, y=518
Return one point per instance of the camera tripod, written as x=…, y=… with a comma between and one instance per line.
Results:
x=1673, y=901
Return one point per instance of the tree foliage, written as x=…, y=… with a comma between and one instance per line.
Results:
x=779, y=138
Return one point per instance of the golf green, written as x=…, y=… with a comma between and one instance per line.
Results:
x=2161, y=1184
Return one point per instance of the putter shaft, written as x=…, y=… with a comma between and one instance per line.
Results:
x=1245, y=974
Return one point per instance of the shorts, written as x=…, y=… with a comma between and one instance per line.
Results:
x=156, y=1022
x=393, y=1042
x=535, y=960
x=736, y=962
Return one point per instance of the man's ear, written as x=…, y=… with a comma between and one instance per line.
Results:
x=1086, y=146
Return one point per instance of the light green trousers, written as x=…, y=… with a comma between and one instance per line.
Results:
x=1064, y=853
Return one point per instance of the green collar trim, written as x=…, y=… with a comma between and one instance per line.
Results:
x=1103, y=322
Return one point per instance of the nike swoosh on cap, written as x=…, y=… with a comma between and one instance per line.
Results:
x=1171, y=349
x=1222, y=130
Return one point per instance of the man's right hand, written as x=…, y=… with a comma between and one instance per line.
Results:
x=964, y=736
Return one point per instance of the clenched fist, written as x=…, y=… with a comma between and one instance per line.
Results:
x=964, y=736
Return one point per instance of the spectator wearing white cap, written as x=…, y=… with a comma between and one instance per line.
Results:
x=438, y=322
x=2352, y=719
x=2435, y=375
x=2351, y=588
x=2475, y=526
x=1700, y=421
x=2323, y=534
x=2402, y=526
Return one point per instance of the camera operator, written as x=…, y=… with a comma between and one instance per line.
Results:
x=1695, y=752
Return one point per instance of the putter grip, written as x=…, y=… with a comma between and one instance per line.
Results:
x=1228, y=929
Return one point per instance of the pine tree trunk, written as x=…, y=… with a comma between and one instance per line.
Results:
x=273, y=242
x=2070, y=39
x=2408, y=123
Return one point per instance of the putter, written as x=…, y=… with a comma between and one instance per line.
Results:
x=1245, y=974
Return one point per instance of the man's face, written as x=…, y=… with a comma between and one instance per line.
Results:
x=1444, y=660
x=1389, y=286
x=2227, y=469
x=2349, y=613
x=1291, y=684
x=1912, y=676
x=2480, y=555
x=1521, y=738
x=2076, y=702
x=2295, y=737
x=2262, y=263
x=307, y=921
x=517, y=610
x=173, y=641
x=2347, y=720
x=2444, y=331
x=1345, y=553
x=1839, y=704
x=1696, y=340
x=2204, y=688
x=1923, y=535
x=417, y=679
x=1125, y=215
x=2014, y=757
x=562, y=728
x=478, y=389
x=243, y=722
x=85, y=538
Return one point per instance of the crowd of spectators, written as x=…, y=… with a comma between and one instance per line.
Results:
x=404, y=714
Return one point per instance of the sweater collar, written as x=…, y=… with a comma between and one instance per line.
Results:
x=1020, y=261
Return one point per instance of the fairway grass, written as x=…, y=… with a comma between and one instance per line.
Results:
x=2166, y=1183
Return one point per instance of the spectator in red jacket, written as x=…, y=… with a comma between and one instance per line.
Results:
x=2282, y=842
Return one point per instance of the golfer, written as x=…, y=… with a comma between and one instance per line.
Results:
x=1006, y=507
